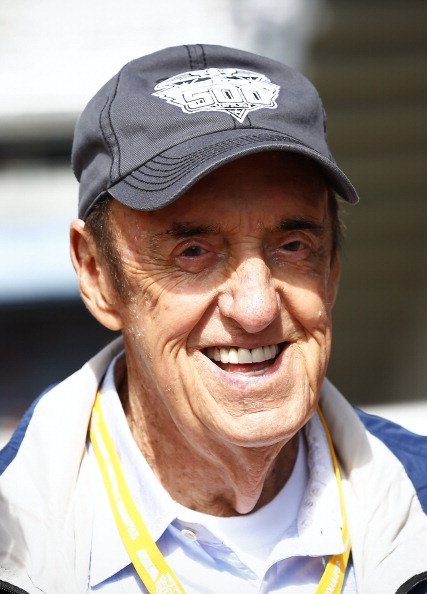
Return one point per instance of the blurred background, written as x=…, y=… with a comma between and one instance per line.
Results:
x=368, y=59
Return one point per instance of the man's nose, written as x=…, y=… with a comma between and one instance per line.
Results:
x=249, y=297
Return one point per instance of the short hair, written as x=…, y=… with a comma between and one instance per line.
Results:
x=337, y=225
x=99, y=223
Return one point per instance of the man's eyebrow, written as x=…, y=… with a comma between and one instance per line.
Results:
x=185, y=229
x=182, y=230
x=300, y=223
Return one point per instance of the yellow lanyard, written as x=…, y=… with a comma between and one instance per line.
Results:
x=147, y=559
x=333, y=577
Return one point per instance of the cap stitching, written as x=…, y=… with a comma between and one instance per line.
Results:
x=190, y=59
x=198, y=57
x=171, y=173
x=347, y=189
x=204, y=56
x=228, y=142
x=190, y=164
x=264, y=134
x=255, y=136
x=212, y=150
x=104, y=136
x=161, y=155
x=113, y=131
x=170, y=182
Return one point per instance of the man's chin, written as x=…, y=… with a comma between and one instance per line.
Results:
x=263, y=429
x=253, y=421
x=251, y=405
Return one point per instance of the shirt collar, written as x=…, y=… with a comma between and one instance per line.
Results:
x=316, y=531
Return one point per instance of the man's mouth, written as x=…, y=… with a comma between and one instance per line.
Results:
x=240, y=360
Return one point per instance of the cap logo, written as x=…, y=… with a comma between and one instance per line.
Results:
x=230, y=90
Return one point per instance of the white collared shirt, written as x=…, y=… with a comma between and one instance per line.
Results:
x=280, y=548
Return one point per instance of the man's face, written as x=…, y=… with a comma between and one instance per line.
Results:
x=227, y=328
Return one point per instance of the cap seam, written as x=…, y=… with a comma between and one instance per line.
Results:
x=190, y=59
x=114, y=132
x=203, y=55
x=199, y=57
x=104, y=136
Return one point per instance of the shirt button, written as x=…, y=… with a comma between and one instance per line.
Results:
x=190, y=534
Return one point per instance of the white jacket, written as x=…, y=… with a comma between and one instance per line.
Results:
x=46, y=497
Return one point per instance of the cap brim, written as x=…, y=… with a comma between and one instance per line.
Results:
x=168, y=175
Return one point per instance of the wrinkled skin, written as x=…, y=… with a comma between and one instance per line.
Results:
x=243, y=259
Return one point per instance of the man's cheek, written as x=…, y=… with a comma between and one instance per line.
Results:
x=311, y=313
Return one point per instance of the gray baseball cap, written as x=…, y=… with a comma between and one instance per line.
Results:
x=169, y=118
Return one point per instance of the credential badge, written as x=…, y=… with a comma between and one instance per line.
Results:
x=230, y=90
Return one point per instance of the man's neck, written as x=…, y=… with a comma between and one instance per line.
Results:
x=207, y=477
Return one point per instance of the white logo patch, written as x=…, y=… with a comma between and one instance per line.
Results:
x=231, y=90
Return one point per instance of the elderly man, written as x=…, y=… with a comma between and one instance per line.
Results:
x=204, y=451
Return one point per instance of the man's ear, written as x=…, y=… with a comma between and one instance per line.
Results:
x=95, y=283
x=333, y=280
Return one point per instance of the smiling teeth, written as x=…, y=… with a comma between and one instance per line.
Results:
x=242, y=356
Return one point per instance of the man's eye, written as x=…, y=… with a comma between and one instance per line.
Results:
x=194, y=257
x=293, y=246
x=193, y=251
